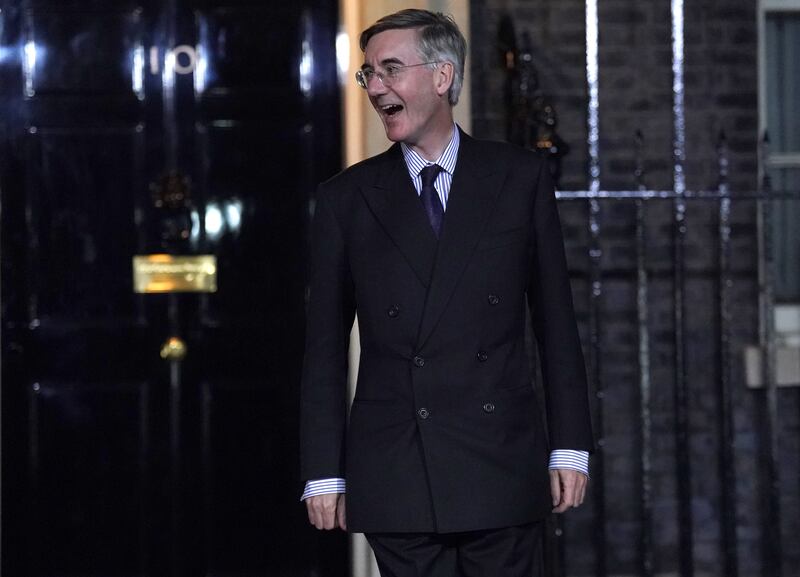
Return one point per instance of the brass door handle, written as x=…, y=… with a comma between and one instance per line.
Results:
x=174, y=349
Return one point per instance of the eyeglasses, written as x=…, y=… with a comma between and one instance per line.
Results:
x=387, y=77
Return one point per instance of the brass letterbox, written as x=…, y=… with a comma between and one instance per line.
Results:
x=166, y=273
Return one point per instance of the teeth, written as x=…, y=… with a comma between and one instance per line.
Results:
x=391, y=109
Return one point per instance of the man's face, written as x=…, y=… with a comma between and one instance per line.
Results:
x=415, y=103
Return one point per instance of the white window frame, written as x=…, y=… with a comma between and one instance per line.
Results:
x=764, y=7
x=786, y=316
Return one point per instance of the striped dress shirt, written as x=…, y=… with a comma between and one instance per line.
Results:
x=559, y=458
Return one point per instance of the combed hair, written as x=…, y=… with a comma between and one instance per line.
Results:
x=440, y=40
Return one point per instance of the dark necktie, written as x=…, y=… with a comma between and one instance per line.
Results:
x=430, y=198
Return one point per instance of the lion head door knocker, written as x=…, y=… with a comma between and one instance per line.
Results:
x=171, y=197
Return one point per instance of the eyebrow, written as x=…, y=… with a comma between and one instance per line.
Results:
x=384, y=63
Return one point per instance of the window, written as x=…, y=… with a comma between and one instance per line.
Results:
x=779, y=30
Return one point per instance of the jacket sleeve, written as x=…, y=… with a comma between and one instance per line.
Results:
x=553, y=316
x=330, y=312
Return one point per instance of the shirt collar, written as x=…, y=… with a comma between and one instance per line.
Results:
x=447, y=160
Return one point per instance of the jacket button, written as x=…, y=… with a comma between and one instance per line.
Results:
x=482, y=356
x=419, y=361
x=393, y=311
x=423, y=413
x=488, y=407
x=494, y=299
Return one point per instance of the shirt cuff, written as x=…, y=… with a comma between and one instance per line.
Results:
x=323, y=487
x=569, y=459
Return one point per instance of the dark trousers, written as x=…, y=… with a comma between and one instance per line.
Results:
x=508, y=552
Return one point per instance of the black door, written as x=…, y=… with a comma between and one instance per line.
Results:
x=183, y=127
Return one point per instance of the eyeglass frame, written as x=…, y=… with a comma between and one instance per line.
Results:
x=389, y=73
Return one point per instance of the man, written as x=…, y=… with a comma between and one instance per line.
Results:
x=437, y=244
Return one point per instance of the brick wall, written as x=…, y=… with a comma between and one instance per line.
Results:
x=635, y=81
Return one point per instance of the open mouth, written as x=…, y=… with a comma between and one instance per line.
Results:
x=391, y=109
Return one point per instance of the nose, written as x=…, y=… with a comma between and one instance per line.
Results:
x=375, y=86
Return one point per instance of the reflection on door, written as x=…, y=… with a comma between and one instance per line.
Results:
x=154, y=433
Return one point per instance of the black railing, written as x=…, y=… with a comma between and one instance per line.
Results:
x=766, y=426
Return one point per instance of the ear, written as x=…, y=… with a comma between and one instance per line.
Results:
x=443, y=77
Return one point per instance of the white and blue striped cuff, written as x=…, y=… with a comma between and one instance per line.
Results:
x=569, y=459
x=323, y=487
x=559, y=459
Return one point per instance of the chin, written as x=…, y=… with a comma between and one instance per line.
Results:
x=394, y=134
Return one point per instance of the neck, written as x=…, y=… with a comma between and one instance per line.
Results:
x=436, y=140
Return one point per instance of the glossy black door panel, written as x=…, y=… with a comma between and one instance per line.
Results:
x=88, y=471
x=82, y=189
x=241, y=449
x=251, y=199
x=183, y=127
x=82, y=53
x=251, y=49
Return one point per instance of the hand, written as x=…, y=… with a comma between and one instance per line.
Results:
x=327, y=511
x=568, y=488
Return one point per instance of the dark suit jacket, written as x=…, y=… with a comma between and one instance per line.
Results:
x=444, y=433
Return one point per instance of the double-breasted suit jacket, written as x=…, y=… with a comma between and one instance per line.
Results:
x=445, y=433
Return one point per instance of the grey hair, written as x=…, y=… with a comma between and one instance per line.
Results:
x=440, y=40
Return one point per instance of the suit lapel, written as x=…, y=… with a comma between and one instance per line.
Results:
x=395, y=203
x=477, y=180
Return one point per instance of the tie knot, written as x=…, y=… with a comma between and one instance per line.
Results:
x=429, y=174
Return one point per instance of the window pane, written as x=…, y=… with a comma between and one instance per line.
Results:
x=783, y=80
x=786, y=235
x=782, y=44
